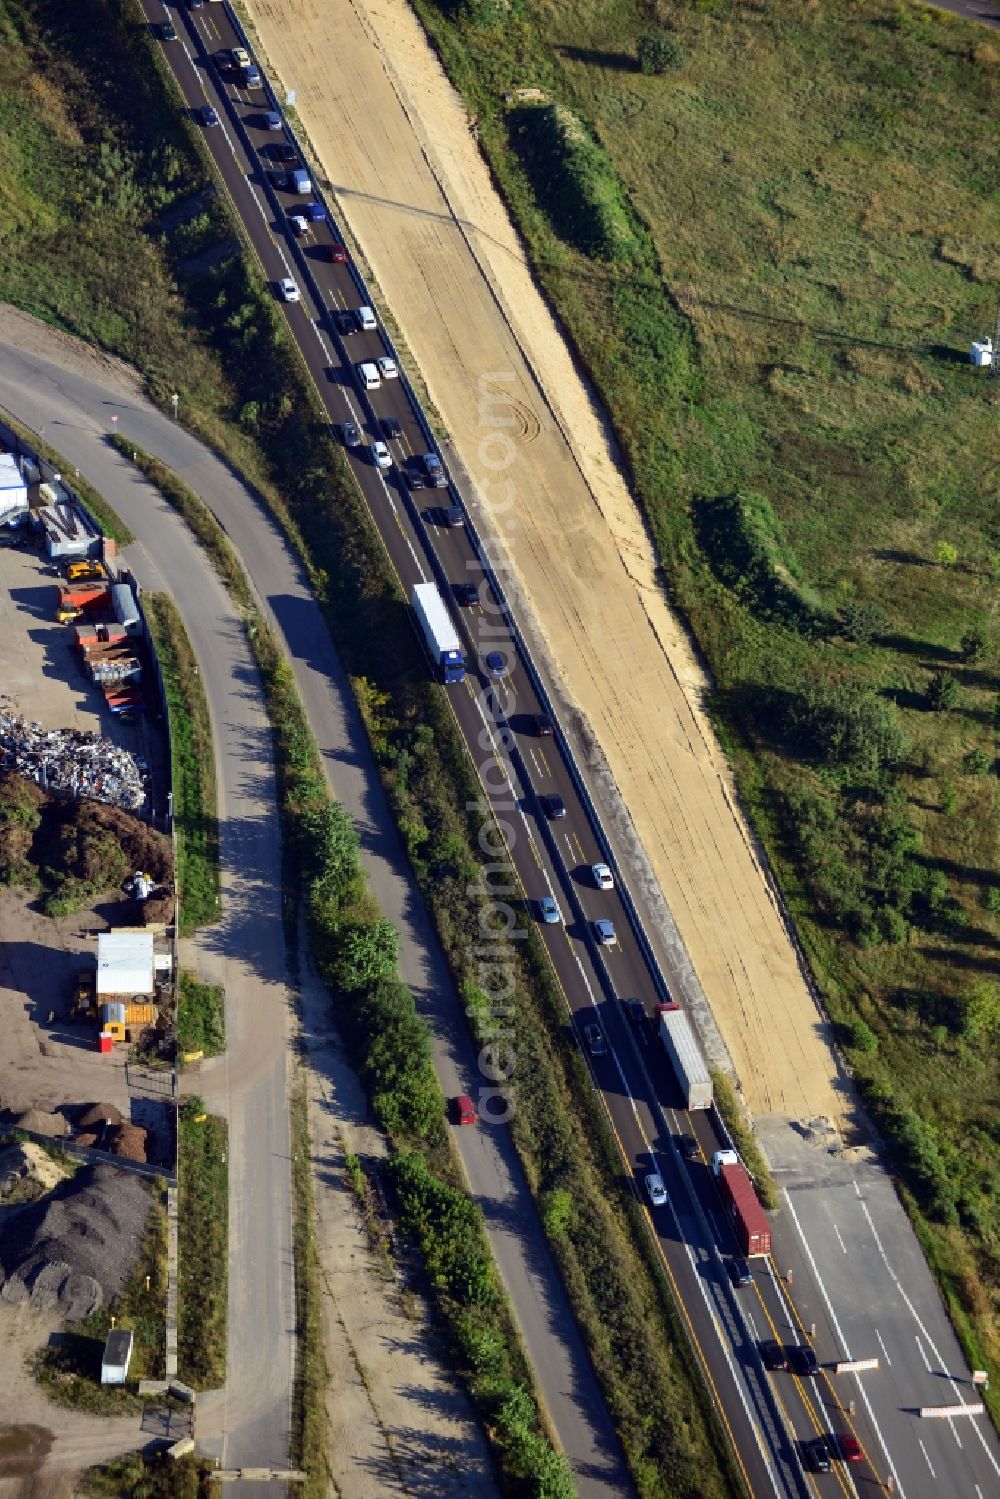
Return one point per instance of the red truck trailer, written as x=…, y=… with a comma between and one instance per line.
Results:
x=748, y=1218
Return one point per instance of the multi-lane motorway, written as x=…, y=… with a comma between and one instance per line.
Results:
x=769, y=1416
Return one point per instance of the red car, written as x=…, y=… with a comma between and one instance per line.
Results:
x=850, y=1448
x=463, y=1110
x=338, y=254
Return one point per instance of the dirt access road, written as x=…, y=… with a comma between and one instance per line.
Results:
x=394, y=140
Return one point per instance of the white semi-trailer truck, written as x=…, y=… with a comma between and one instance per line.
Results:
x=439, y=632
x=685, y=1055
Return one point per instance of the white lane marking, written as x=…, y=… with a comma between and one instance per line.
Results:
x=839, y=1239
x=883, y=1347
x=782, y=1298
x=843, y=1341
x=927, y=1459
x=923, y=1353
x=913, y=1313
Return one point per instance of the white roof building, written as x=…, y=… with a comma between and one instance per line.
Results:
x=124, y=963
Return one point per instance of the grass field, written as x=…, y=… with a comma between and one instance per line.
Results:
x=192, y=766
x=202, y=1248
x=784, y=355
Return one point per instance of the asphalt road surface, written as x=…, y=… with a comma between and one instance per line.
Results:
x=496, y=709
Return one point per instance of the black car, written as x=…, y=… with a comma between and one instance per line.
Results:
x=414, y=478
x=688, y=1147
x=803, y=1360
x=282, y=151
x=543, y=726
x=817, y=1455
x=346, y=323
x=207, y=115
x=349, y=435
x=635, y=1010
x=449, y=516
x=391, y=427
x=596, y=1044
x=554, y=807
x=773, y=1355
x=739, y=1271
x=466, y=594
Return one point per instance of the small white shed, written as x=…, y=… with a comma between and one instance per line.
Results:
x=116, y=1357
x=124, y=963
x=981, y=353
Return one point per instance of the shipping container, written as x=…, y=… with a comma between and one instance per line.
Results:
x=682, y=1048
x=750, y=1223
x=125, y=609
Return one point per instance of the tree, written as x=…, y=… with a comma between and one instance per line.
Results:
x=977, y=762
x=860, y=622
x=946, y=554
x=973, y=645
x=843, y=724
x=981, y=1015
x=942, y=692
x=659, y=52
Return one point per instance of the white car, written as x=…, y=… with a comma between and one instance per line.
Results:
x=288, y=289
x=388, y=368
x=367, y=319
x=380, y=455
x=239, y=57
x=368, y=375
x=655, y=1190
x=297, y=225
x=603, y=878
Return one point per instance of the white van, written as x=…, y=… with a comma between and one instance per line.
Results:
x=367, y=319
x=368, y=375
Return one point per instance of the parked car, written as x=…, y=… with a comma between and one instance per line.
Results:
x=548, y=910
x=803, y=1360
x=391, y=427
x=349, y=435
x=603, y=878
x=604, y=932
x=381, y=457
x=596, y=1043
x=288, y=290
x=773, y=1355
x=463, y=1110
x=655, y=1190
x=554, y=807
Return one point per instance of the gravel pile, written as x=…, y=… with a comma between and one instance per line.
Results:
x=72, y=762
x=74, y=1251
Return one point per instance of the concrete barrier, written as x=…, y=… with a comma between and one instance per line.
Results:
x=943, y=1412
x=855, y=1365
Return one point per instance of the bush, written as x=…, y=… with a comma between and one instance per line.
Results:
x=862, y=1038
x=658, y=52
x=745, y=544
x=862, y=622
x=843, y=724
x=977, y=763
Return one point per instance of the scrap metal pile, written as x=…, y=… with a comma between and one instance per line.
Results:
x=74, y=763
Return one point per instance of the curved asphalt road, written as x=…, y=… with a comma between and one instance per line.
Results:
x=75, y=412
